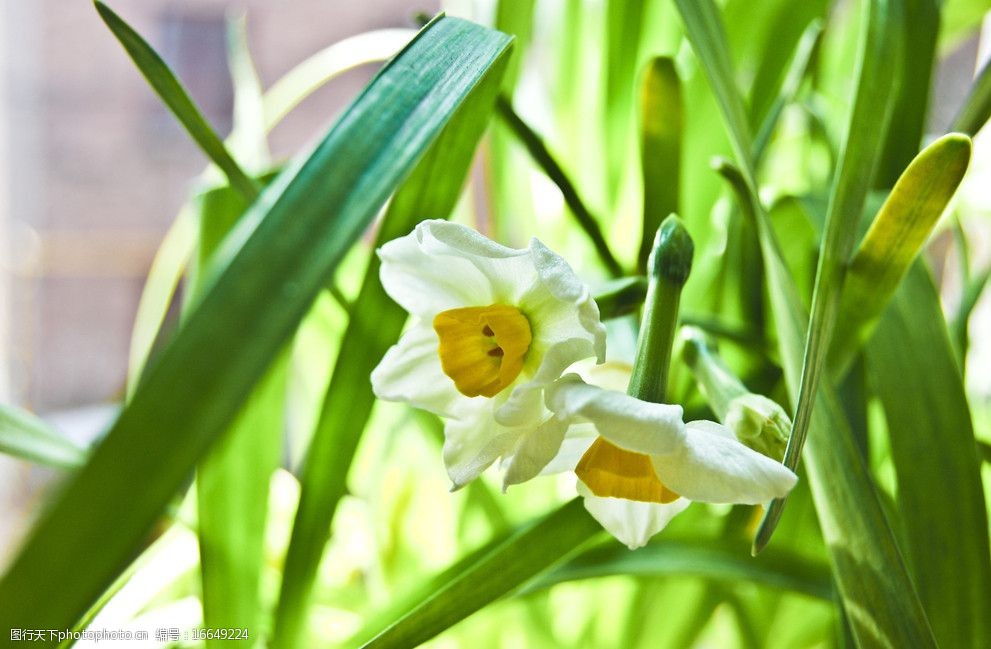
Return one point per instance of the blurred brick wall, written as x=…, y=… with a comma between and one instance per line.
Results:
x=95, y=169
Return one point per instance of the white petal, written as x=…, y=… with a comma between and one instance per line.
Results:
x=627, y=422
x=630, y=521
x=560, y=305
x=426, y=282
x=576, y=441
x=526, y=401
x=509, y=272
x=534, y=451
x=410, y=371
x=472, y=443
x=713, y=467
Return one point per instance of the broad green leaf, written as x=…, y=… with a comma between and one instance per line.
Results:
x=869, y=571
x=375, y=324
x=288, y=242
x=660, y=148
x=715, y=560
x=507, y=165
x=168, y=87
x=932, y=444
x=976, y=108
x=788, y=89
x=624, y=25
x=786, y=53
x=232, y=485
x=881, y=45
x=232, y=481
x=920, y=26
x=705, y=31
x=30, y=438
x=897, y=235
x=488, y=577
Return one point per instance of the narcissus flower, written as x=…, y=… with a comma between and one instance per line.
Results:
x=492, y=328
x=645, y=463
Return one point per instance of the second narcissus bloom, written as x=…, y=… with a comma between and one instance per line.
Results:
x=641, y=463
x=492, y=328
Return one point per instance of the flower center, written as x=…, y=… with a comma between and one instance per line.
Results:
x=610, y=471
x=482, y=348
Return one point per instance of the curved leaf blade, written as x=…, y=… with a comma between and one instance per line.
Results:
x=30, y=438
x=717, y=561
x=936, y=462
x=375, y=323
x=171, y=91
x=509, y=565
x=895, y=238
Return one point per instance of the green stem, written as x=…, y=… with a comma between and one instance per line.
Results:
x=716, y=381
x=538, y=150
x=670, y=263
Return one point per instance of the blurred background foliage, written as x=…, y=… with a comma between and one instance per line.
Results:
x=606, y=112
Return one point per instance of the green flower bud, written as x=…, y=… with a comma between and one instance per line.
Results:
x=760, y=423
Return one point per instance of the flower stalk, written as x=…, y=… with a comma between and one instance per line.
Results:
x=669, y=266
x=758, y=422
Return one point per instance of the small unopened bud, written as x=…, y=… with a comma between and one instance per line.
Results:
x=760, y=423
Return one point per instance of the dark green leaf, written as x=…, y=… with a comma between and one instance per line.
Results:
x=720, y=561
x=168, y=87
x=375, y=324
x=932, y=445
x=506, y=567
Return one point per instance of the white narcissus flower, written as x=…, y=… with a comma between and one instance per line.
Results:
x=492, y=327
x=640, y=464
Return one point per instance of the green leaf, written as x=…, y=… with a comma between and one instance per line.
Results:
x=232, y=482
x=976, y=108
x=881, y=45
x=163, y=279
x=660, y=148
x=288, y=242
x=869, y=571
x=511, y=563
x=310, y=75
x=232, y=485
x=375, y=324
x=247, y=140
x=624, y=24
x=895, y=238
x=713, y=560
x=932, y=444
x=705, y=31
x=542, y=156
x=920, y=27
x=30, y=438
x=168, y=87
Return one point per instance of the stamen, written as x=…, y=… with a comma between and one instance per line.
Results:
x=610, y=471
x=482, y=348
